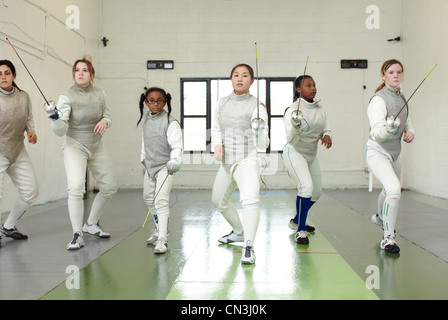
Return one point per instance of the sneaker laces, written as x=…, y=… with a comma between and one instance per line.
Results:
x=390, y=239
x=75, y=238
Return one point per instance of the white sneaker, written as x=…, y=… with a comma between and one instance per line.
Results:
x=77, y=242
x=232, y=237
x=302, y=237
x=248, y=255
x=388, y=244
x=95, y=229
x=161, y=246
x=153, y=238
x=293, y=225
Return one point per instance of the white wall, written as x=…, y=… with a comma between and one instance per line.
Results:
x=206, y=38
x=424, y=45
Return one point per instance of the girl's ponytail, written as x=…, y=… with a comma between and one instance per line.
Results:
x=141, y=105
x=168, y=103
x=386, y=65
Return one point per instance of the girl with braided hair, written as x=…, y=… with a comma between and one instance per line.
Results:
x=162, y=148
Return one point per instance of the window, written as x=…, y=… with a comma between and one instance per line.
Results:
x=199, y=97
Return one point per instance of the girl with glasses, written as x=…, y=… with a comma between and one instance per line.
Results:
x=162, y=148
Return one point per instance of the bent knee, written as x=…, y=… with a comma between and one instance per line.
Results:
x=31, y=196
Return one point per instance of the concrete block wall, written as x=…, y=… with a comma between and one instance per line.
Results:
x=206, y=38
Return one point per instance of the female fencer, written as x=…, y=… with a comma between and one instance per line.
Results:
x=16, y=118
x=84, y=120
x=162, y=148
x=305, y=124
x=236, y=140
x=384, y=147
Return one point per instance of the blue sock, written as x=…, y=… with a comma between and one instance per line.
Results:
x=302, y=207
x=296, y=218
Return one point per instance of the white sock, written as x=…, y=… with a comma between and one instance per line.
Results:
x=390, y=211
x=231, y=215
x=76, y=213
x=155, y=217
x=251, y=218
x=163, y=215
x=99, y=203
x=18, y=210
x=381, y=199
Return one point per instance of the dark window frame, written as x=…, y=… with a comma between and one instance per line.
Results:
x=208, y=115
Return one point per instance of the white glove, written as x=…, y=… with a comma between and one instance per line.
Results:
x=296, y=119
x=50, y=110
x=257, y=125
x=173, y=166
x=392, y=125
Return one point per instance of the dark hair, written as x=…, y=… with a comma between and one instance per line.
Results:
x=386, y=65
x=251, y=71
x=166, y=96
x=12, y=68
x=298, y=84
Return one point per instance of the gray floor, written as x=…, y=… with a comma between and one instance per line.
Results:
x=30, y=269
x=422, y=220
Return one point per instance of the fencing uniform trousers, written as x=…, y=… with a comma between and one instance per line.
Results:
x=308, y=180
x=153, y=186
x=306, y=176
x=23, y=176
x=388, y=173
x=245, y=176
x=76, y=161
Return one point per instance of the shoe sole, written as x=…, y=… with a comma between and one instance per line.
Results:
x=295, y=226
x=15, y=236
x=303, y=241
x=160, y=251
x=230, y=241
x=98, y=235
x=74, y=248
x=390, y=249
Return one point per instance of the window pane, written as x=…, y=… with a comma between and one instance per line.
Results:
x=262, y=88
x=281, y=96
x=278, y=135
x=220, y=89
x=195, y=98
x=195, y=134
